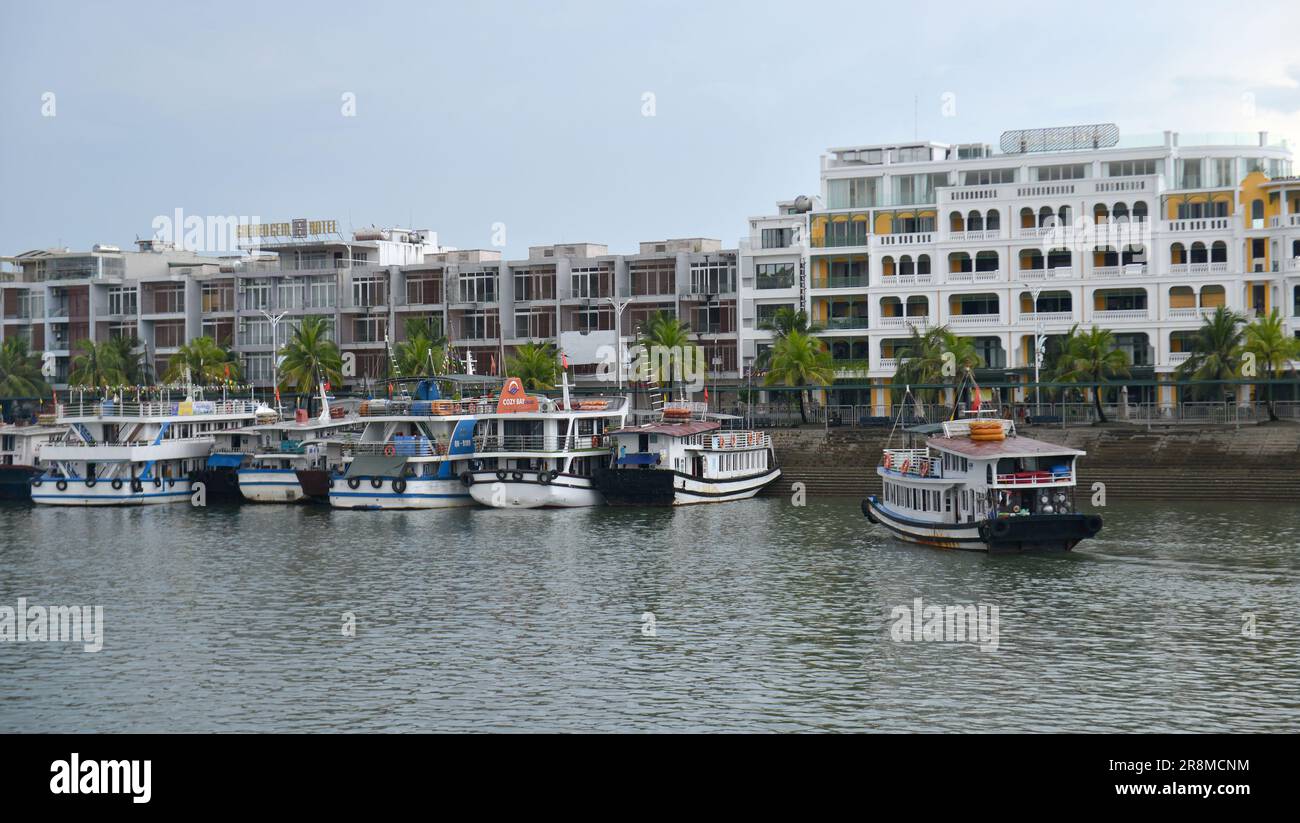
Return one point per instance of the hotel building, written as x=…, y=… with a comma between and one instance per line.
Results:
x=1053, y=230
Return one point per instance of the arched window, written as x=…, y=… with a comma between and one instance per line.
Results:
x=1140, y=210
x=1059, y=258
x=1100, y=214
x=1065, y=214
x=1257, y=209
x=1219, y=252
x=918, y=306
x=923, y=264
x=1026, y=218
x=986, y=261
x=1199, y=253
x=955, y=223
x=959, y=261
x=974, y=221
x=1046, y=216
x=887, y=267
x=992, y=220
x=905, y=266
x=1120, y=211
x=1177, y=254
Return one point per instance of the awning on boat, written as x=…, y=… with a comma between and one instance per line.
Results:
x=639, y=459
x=221, y=461
x=376, y=465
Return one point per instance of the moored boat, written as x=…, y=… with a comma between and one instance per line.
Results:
x=682, y=460
x=976, y=485
x=20, y=460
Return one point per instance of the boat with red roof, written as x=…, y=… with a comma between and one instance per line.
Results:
x=977, y=485
x=686, y=458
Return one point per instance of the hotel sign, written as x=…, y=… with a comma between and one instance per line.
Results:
x=295, y=228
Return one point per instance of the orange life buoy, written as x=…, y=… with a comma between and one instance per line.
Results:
x=906, y=464
x=889, y=460
x=389, y=450
x=595, y=441
x=924, y=468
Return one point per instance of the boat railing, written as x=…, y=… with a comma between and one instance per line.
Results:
x=537, y=443
x=109, y=408
x=422, y=447
x=1028, y=479
x=731, y=441
x=914, y=462
x=961, y=428
x=427, y=408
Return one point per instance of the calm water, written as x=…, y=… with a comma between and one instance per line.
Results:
x=768, y=617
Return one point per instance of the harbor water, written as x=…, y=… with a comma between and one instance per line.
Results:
x=757, y=615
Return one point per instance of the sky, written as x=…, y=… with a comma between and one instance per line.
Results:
x=518, y=124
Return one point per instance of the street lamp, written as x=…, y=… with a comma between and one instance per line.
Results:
x=275, y=319
x=717, y=361
x=1038, y=355
x=618, y=305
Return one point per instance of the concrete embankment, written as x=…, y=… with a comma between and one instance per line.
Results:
x=1177, y=462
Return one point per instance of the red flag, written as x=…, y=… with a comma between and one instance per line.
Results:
x=327, y=385
x=975, y=400
x=564, y=360
x=494, y=364
x=706, y=394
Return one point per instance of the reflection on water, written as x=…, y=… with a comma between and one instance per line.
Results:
x=767, y=617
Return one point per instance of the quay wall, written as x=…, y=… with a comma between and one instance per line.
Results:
x=1256, y=462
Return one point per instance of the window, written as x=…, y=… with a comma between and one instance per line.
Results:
x=369, y=329
x=846, y=233
x=917, y=189
x=479, y=325
x=852, y=193
x=773, y=275
x=1073, y=171
x=776, y=238
x=169, y=299
x=322, y=292
x=218, y=296
x=592, y=281
x=534, y=324
x=654, y=277
x=257, y=295
x=988, y=177
x=1188, y=173
x=370, y=291
x=713, y=277
x=120, y=301
x=291, y=293
x=1124, y=300
x=424, y=289
x=1221, y=173
x=1130, y=168
x=535, y=284
x=593, y=318
x=476, y=287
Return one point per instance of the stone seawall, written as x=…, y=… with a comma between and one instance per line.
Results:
x=1175, y=462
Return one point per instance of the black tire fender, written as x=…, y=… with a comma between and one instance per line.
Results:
x=466, y=479
x=399, y=486
x=354, y=482
x=501, y=474
x=62, y=485
x=376, y=482
x=117, y=483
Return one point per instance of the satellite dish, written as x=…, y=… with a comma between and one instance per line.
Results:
x=802, y=203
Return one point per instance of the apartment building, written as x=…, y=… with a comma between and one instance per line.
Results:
x=1057, y=227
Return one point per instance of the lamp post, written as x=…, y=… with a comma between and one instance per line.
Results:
x=749, y=390
x=717, y=361
x=1038, y=354
x=619, y=306
x=274, y=320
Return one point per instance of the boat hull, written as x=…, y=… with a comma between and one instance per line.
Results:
x=524, y=489
x=16, y=482
x=419, y=493
x=665, y=487
x=77, y=493
x=1011, y=535
x=221, y=484
x=270, y=486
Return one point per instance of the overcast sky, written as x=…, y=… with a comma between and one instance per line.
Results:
x=534, y=115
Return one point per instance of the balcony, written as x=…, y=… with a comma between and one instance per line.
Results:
x=1111, y=272
x=1062, y=234
x=1037, y=275
x=769, y=282
x=844, y=323
x=888, y=241
x=920, y=322
x=888, y=363
x=1056, y=317
x=1190, y=313
x=1111, y=315
x=859, y=282
x=1199, y=268
x=850, y=368
x=992, y=276
x=963, y=320
x=1196, y=224
x=975, y=236
x=889, y=281
x=1177, y=358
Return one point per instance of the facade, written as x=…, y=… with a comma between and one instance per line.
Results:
x=1143, y=240
x=1001, y=246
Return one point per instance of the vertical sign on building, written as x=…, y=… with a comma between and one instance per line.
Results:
x=300, y=227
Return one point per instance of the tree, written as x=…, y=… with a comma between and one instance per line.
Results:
x=99, y=365
x=960, y=353
x=799, y=360
x=20, y=371
x=783, y=321
x=920, y=361
x=1216, y=350
x=423, y=350
x=309, y=356
x=667, y=342
x=1266, y=338
x=1091, y=357
x=133, y=361
x=537, y=365
x=207, y=363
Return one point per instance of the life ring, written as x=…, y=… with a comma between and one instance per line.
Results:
x=137, y=485
x=62, y=485
x=117, y=484
x=543, y=477
x=399, y=486
x=466, y=479
x=376, y=482
x=924, y=468
x=516, y=475
x=501, y=474
x=91, y=481
x=889, y=460
x=906, y=465
x=389, y=450
x=354, y=482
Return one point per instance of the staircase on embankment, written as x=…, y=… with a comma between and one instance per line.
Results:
x=1176, y=462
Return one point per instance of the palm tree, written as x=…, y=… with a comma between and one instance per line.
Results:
x=20, y=371
x=667, y=341
x=1091, y=357
x=964, y=358
x=1273, y=348
x=800, y=360
x=537, y=365
x=309, y=356
x=99, y=365
x=422, y=350
x=203, y=361
x=133, y=361
x=783, y=321
x=1216, y=350
x=920, y=361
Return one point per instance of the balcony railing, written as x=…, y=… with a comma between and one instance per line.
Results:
x=1047, y=317
x=992, y=276
x=914, y=462
x=906, y=279
x=1121, y=314
x=975, y=236
x=1218, y=267
x=889, y=363
x=859, y=282
x=1196, y=224
x=156, y=408
x=1056, y=273
x=839, y=323
x=1190, y=313
x=974, y=319
x=919, y=238
x=1130, y=270
x=918, y=321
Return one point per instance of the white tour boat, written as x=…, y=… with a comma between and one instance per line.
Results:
x=682, y=460
x=975, y=484
x=410, y=453
x=291, y=460
x=20, y=457
x=534, y=452
x=117, y=453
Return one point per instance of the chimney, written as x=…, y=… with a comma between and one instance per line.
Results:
x=1263, y=139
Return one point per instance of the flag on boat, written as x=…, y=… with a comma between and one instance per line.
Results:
x=975, y=399
x=564, y=361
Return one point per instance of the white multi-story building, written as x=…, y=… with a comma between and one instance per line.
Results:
x=1056, y=229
